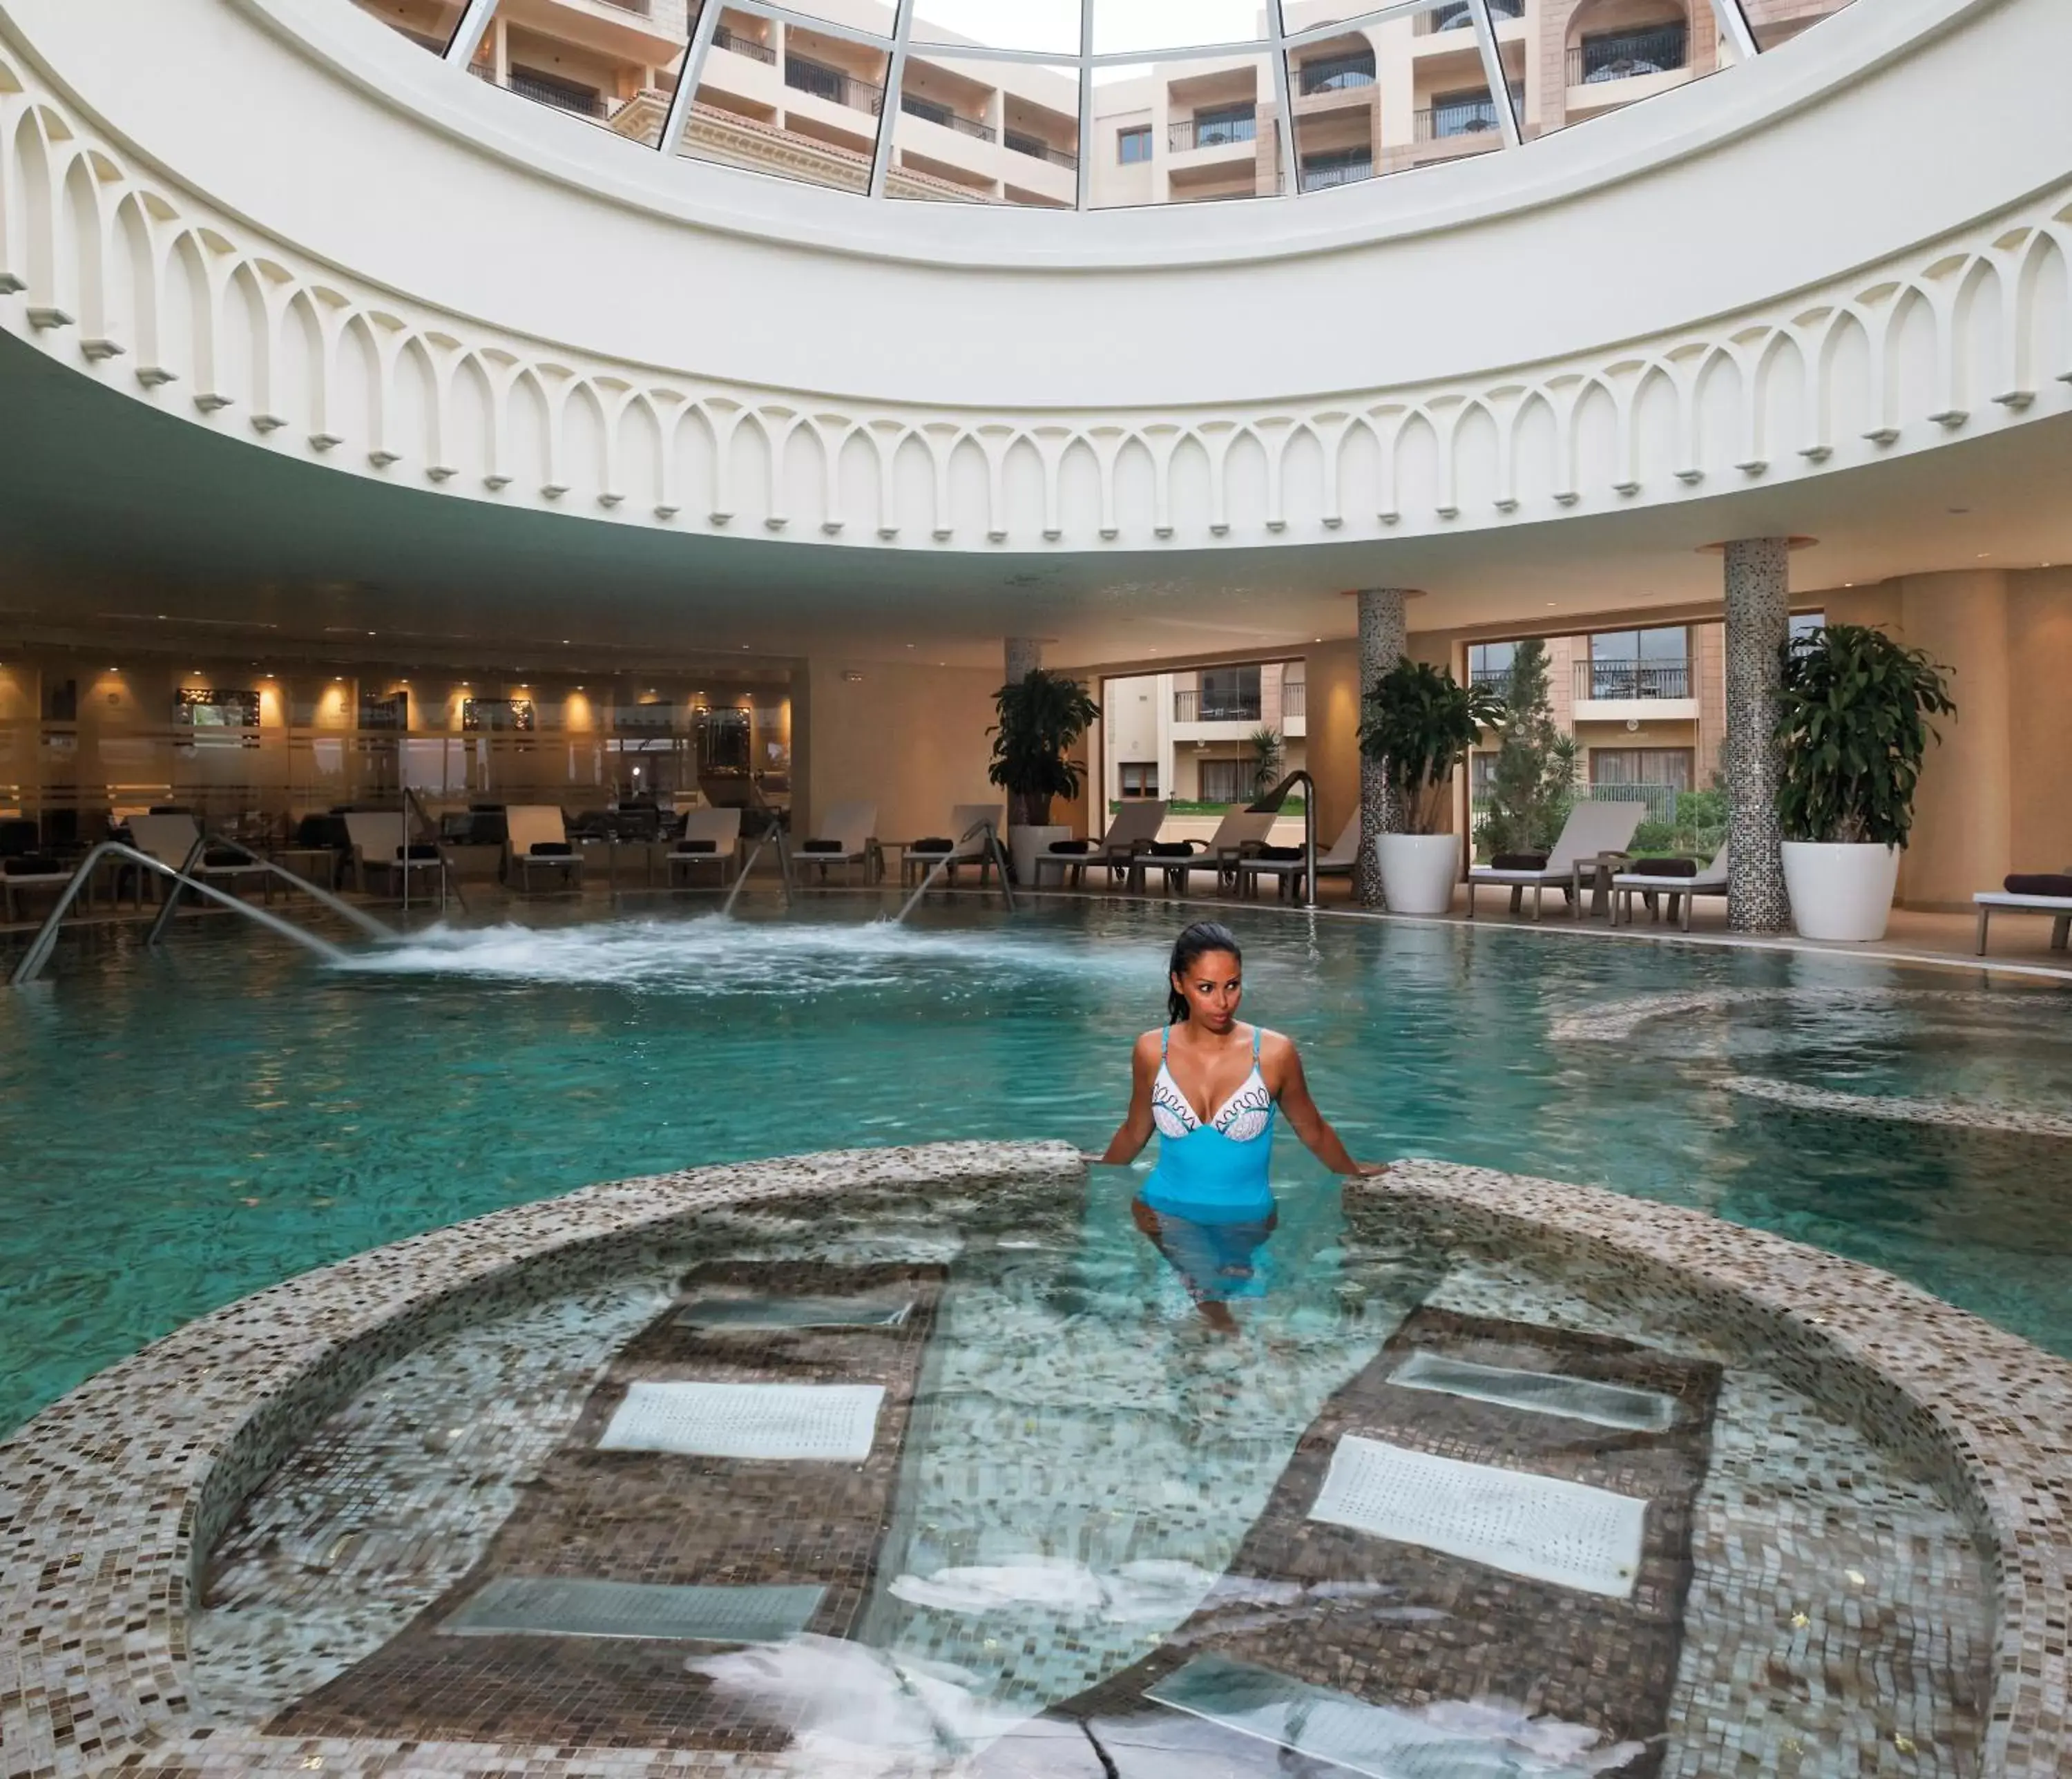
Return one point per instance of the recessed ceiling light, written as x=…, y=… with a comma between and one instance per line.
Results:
x=1960, y=509
x=1983, y=554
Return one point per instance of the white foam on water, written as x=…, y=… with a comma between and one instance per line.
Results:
x=714, y=955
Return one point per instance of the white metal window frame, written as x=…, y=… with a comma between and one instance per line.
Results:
x=908, y=34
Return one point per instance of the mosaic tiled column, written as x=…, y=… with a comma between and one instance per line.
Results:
x=1758, y=618
x=1025, y=655
x=1383, y=636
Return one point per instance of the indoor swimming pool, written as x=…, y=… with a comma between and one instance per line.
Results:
x=186, y=1126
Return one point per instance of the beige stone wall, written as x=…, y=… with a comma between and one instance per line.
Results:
x=2039, y=634
x=911, y=739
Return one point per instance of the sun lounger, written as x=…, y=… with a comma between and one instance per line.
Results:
x=847, y=837
x=1712, y=880
x=170, y=839
x=1338, y=862
x=1238, y=837
x=963, y=846
x=379, y=848
x=1120, y=850
x=1592, y=828
x=2025, y=894
x=537, y=845
x=710, y=837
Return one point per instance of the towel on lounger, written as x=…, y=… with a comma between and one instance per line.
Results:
x=2039, y=883
x=1663, y=868
x=1519, y=861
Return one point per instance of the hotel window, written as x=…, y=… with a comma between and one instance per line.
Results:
x=1489, y=663
x=1665, y=765
x=1226, y=781
x=1139, y=778
x=1806, y=623
x=1229, y=695
x=1640, y=663
x=1133, y=145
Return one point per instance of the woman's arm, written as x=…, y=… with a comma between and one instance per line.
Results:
x=1134, y=1131
x=1284, y=1071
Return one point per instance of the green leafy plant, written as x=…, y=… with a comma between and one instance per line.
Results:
x=1042, y=715
x=1852, y=721
x=1532, y=782
x=1419, y=721
x=1267, y=754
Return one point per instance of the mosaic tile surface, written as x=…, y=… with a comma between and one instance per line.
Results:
x=111, y=1501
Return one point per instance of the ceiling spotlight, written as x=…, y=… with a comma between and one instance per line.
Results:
x=1960, y=509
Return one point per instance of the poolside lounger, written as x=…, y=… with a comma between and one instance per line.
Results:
x=847, y=837
x=1592, y=828
x=1626, y=885
x=965, y=847
x=1338, y=862
x=1120, y=850
x=170, y=839
x=710, y=837
x=29, y=871
x=2030, y=894
x=379, y=848
x=1238, y=836
x=537, y=844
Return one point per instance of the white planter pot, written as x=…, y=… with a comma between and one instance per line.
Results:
x=1024, y=844
x=1418, y=871
x=1840, y=892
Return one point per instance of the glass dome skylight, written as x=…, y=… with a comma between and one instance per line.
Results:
x=1090, y=104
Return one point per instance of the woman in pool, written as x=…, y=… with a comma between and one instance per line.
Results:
x=1210, y=1087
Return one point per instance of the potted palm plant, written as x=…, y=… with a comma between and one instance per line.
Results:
x=1418, y=723
x=1042, y=715
x=1852, y=721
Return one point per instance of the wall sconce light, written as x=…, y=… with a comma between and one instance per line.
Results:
x=852, y=675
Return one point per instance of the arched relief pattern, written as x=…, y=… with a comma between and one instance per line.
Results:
x=139, y=285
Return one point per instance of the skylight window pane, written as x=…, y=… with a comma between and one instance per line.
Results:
x=1049, y=26
x=1613, y=55
x=1185, y=131
x=619, y=80
x=977, y=131
x=428, y=23
x=1130, y=26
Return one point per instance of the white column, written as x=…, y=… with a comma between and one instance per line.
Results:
x=1384, y=633
x=1758, y=595
x=1024, y=655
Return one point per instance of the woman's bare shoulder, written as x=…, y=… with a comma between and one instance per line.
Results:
x=1149, y=1044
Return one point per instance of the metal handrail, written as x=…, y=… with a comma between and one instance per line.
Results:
x=204, y=841
x=1278, y=795
x=40, y=947
x=774, y=832
x=997, y=852
x=447, y=880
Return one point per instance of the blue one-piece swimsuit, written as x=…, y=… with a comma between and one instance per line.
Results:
x=1210, y=1188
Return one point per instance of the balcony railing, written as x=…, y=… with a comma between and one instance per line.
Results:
x=643, y=7
x=831, y=85
x=1316, y=178
x=581, y=100
x=1294, y=699
x=1441, y=123
x=1211, y=133
x=1457, y=15
x=1188, y=707
x=1336, y=74
x=1496, y=679
x=1037, y=149
x=1633, y=680
x=735, y=44
x=1619, y=55
x=948, y=119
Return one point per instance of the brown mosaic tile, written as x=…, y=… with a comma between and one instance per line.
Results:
x=661, y=1519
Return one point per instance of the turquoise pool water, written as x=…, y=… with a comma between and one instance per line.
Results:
x=182, y=1127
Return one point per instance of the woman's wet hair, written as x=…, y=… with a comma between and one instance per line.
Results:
x=1196, y=942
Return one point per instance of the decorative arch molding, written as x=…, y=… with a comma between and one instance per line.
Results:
x=108, y=267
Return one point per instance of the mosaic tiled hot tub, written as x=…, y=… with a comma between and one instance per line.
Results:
x=917, y=1462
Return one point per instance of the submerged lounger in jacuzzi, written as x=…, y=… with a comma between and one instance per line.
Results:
x=1443, y=1547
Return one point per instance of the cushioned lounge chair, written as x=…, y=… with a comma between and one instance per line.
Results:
x=960, y=845
x=170, y=839
x=711, y=840
x=1238, y=837
x=1592, y=828
x=1287, y=873
x=847, y=837
x=1710, y=879
x=26, y=873
x=536, y=845
x=379, y=850
x=2026, y=894
x=1120, y=850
